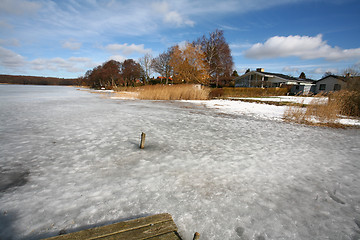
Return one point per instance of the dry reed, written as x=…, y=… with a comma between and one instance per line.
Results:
x=174, y=92
x=247, y=92
x=326, y=113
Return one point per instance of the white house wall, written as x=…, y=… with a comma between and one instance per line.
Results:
x=329, y=84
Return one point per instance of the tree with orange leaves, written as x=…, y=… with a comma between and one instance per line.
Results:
x=188, y=64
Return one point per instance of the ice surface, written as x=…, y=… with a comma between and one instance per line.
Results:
x=227, y=176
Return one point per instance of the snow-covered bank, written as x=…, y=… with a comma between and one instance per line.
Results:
x=292, y=99
x=72, y=161
x=258, y=110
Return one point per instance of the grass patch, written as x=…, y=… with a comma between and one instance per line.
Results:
x=174, y=92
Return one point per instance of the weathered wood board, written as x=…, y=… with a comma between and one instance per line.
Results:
x=160, y=226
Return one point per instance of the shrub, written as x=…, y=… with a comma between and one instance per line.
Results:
x=216, y=93
x=348, y=101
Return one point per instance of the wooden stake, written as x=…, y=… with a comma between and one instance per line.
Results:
x=142, y=143
x=196, y=236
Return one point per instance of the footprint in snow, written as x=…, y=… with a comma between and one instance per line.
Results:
x=335, y=198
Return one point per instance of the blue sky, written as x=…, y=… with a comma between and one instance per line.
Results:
x=68, y=37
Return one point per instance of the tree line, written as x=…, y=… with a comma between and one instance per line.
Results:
x=33, y=80
x=207, y=58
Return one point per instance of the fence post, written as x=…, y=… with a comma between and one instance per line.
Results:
x=142, y=143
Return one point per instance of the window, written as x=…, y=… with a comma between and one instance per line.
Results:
x=322, y=87
x=337, y=87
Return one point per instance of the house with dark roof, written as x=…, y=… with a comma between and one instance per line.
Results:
x=331, y=83
x=260, y=78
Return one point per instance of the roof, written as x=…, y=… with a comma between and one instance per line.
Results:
x=287, y=77
x=341, y=78
x=279, y=75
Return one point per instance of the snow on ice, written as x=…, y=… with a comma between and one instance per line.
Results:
x=70, y=160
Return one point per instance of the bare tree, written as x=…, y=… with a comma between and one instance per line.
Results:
x=145, y=63
x=352, y=71
x=326, y=74
x=352, y=76
x=217, y=53
x=161, y=65
x=106, y=75
x=130, y=71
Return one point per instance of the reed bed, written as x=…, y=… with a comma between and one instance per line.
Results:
x=247, y=92
x=318, y=112
x=174, y=92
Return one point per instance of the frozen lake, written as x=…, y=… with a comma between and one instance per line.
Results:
x=70, y=160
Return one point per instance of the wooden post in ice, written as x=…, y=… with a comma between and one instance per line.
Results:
x=142, y=143
x=196, y=236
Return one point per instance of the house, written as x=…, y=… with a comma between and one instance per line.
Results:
x=331, y=83
x=260, y=78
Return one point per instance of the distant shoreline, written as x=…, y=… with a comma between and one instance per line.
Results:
x=34, y=80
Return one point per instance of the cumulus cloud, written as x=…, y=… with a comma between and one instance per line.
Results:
x=72, y=45
x=126, y=49
x=10, y=59
x=304, y=47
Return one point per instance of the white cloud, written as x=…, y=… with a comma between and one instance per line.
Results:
x=118, y=58
x=324, y=70
x=290, y=69
x=10, y=59
x=182, y=45
x=172, y=16
x=72, y=64
x=19, y=7
x=304, y=47
x=177, y=19
x=126, y=49
x=72, y=45
x=79, y=59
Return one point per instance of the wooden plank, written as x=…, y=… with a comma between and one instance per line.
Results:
x=120, y=227
x=142, y=233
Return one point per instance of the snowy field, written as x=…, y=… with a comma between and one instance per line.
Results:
x=70, y=160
